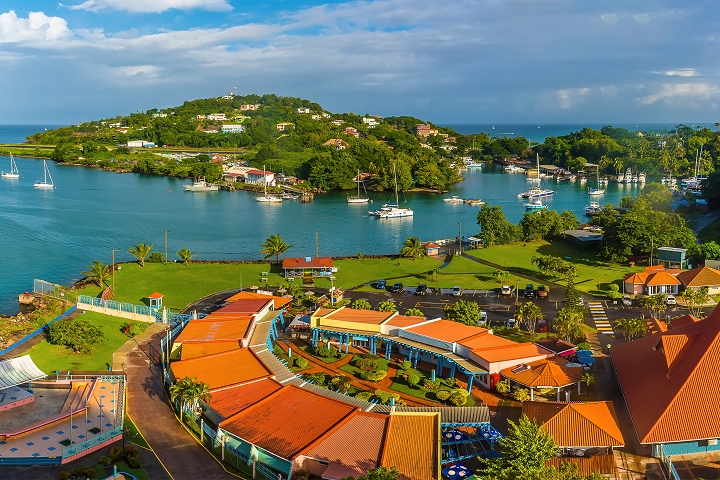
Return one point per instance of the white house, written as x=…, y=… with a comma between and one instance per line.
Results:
x=140, y=143
x=326, y=115
x=250, y=107
x=255, y=177
x=282, y=126
x=216, y=116
x=317, y=117
x=303, y=110
x=338, y=122
x=371, y=122
x=159, y=115
x=232, y=128
x=201, y=117
x=115, y=125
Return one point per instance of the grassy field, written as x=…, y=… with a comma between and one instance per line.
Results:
x=399, y=384
x=55, y=357
x=591, y=272
x=710, y=233
x=352, y=273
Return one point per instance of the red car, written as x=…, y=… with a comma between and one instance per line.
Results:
x=541, y=326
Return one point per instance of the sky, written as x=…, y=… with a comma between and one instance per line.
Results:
x=452, y=62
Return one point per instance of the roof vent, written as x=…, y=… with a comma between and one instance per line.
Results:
x=521, y=368
x=308, y=259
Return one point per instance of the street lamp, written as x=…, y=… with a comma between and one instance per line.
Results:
x=166, y=232
x=460, y=236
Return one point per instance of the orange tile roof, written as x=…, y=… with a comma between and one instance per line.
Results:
x=245, y=306
x=156, y=295
x=344, y=314
x=684, y=320
x=700, y=277
x=229, y=401
x=544, y=373
x=214, y=329
x=192, y=350
x=412, y=445
x=662, y=278
x=301, y=262
x=322, y=311
x=578, y=424
x=636, y=278
x=405, y=321
x=447, y=330
x=280, y=302
x=356, y=457
x=222, y=369
x=670, y=381
x=288, y=421
x=497, y=349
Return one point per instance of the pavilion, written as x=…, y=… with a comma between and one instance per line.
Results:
x=310, y=266
x=543, y=374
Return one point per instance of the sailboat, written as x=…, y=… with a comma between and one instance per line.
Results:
x=393, y=210
x=45, y=184
x=358, y=198
x=13, y=173
x=537, y=192
x=596, y=191
x=265, y=198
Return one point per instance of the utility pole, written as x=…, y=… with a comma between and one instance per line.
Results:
x=460, y=236
x=317, y=247
x=652, y=245
x=113, y=272
x=166, y=232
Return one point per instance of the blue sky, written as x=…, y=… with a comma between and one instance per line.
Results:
x=462, y=61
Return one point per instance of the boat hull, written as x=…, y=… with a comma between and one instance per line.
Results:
x=268, y=199
x=358, y=200
x=10, y=175
x=44, y=186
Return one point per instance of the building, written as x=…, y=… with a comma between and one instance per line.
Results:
x=351, y=131
x=258, y=177
x=316, y=117
x=236, y=173
x=701, y=277
x=371, y=122
x=338, y=122
x=282, y=126
x=671, y=257
x=136, y=143
x=217, y=116
x=159, y=115
x=424, y=130
x=337, y=143
x=308, y=266
x=545, y=374
x=209, y=129
x=201, y=117
x=669, y=381
x=247, y=107
x=652, y=281
x=303, y=110
x=230, y=128
x=583, y=239
x=432, y=249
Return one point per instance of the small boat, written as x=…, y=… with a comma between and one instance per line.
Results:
x=267, y=198
x=474, y=202
x=473, y=165
x=535, y=205
x=583, y=179
x=642, y=177
x=592, y=209
x=513, y=169
x=45, y=184
x=13, y=173
x=537, y=192
x=201, y=186
x=454, y=199
x=621, y=177
x=597, y=191
x=289, y=196
x=358, y=198
x=635, y=178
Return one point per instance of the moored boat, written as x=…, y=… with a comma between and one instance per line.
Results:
x=201, y=186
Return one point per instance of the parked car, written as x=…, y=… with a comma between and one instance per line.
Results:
x=542, y=291
x=457, y=291
x=506, y=290
x=511, y=323
x=670, y=300
x=639, y=300
x=381, y=285
x=627, y=301
x=541, y=326
x=529, y=291
x=421, y=289
x=483, y=318
x=397, y=288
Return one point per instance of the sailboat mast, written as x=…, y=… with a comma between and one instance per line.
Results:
x=358, y=182
x=264, y=181
x=397, y=200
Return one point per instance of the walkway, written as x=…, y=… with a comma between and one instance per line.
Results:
x=704, y=221
x=599, y=318
x=147, y=405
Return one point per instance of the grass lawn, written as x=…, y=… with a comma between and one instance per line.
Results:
x=55, y=357
x=710, y=233
x=307, y=349
x=133, y=434
x=352, y=273
x=591, y=271
x=355, y=371
x=399, y=384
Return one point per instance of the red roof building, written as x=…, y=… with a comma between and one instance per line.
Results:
x=301, y=266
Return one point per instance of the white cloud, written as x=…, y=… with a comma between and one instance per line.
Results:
x=137, y=70
x=684, y=91
x=38, y=27
x=680, y=72
x=153, y=6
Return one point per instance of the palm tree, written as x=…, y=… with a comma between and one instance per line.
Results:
x=274, y=246
x=412, y=248
x=97, y=272
x=190, y=392
x=141, y=251
x=185, y=255
x=521, y=394
x=588, y=379
x=529, y=314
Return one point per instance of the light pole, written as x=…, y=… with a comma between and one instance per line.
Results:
x=113, y=272
x=460, y=236
x=332, y=289
x=166, y=232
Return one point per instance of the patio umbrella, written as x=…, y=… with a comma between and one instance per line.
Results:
x=586, y=360
x=254, y=287
x=583, y=353
x=309, y=294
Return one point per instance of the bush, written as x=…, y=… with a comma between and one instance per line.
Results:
x=318, y=379
x=156, y=257
x=461, y=391
x=132, y=457
x=442, y=395
x=361, y=304
x=405, y=365
x=104, y=461
x=382, y=396
x=374, y=375
x=584, y=346
x=432, y=384
x=366, y=364
x=457, y=399
x=131, y=329
x=115, y=454
x=613, y=291
x=386, y=306
x=64, y=475
x=325, y=351
x=450, y=382
x=364, y=396
x=301, y=475
x=340, y=383
x=301, y=362
x=371, y=356
x=78, y=335
x=413, y=378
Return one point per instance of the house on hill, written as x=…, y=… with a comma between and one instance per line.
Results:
x=337, y=143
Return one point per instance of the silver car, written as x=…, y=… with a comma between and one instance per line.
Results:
x=627, y=301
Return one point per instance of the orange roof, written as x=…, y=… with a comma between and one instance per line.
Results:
x=578, y=424
x=670, y=381
x=322, y=311
x=288, y=421
x=431, y=245
x=662, y=278
x=700, y=277
x=447, y=330
x=245, y=306
x=684, y=320
x=222, y=369
x=405, y=321
x=359, y=316
x=301, y=262
x=156, y=295
x=280, y=302
x=497, y=349
x=412, y=445
x=549, y=373
x=356, y=457
x=654, y=268
x=636, y=278
x=230, y=401
x=192, y=350
x=214, y=329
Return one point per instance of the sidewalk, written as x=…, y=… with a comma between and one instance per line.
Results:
x=120, y=355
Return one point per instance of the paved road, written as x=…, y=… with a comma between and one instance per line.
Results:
x=705, y=221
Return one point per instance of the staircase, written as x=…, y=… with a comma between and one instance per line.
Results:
x=77, y=398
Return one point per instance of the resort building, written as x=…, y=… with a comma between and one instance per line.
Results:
x=258, y=177
x=351, y=131
x=424, y=130
x=548, y=374
x=230, y=128
x=308, y=266
x=282, y=126
x=701, y=277
x=338, y=122
x=216, y=117
x=653, y=280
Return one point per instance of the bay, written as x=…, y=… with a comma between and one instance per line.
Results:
x=18, y=133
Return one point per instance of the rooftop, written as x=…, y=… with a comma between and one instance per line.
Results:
x=279, y=302
x=700, y=277
x=447, y=330
x=215, y=328
x=358, y=316
x=222, y=369
x=548, y=373
x=229, y=401
x=307, y=262
x=249, y=306
x=422, y=432
x=192, y=350
x=405, y=321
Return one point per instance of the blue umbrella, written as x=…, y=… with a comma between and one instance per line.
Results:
x=583, y=353
x=587, y=360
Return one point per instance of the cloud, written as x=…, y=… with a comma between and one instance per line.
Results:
x=684, y=91
x=680, y=72
x=38, y=27
x=152, y=6
x=137, y=70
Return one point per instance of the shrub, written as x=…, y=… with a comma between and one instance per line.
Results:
x=405, y=365
x=325, y=351
x=503, y=386
x=78, y=335
x=156, y=257
x=442, y=395
x=457, y=399
x=301, y=475
x=315, y=378
x=115, y=454
x=382, y=396
x=461, y=391
x=132, y=457
x=301, y=362
x=364, y=396
x=366, y=364
x=386, y=306
x=131, y=329
x=340, y=383
x=64, y=475
x=374, y=375
x=584, y=346
x=361, y=304
x=432, y=384
x=450, y=382
x=105, y=461
x=413, y=379
x=371, y=356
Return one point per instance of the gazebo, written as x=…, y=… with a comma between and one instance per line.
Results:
x=546, y=373
x=156, y=300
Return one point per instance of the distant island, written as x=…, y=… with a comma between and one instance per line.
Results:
x=323, y=151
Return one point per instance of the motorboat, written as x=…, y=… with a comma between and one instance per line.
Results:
x=535, y=205
x=474, y=201
x=454, y=199
x=593, y=209
x=200, y=185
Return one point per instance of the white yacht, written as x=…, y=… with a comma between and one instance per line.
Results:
x=45, y=184
x=13, y=173
x=358, y=198
x=454, y=199
x=596, y=191
x=394, y=210
x=592, y=209
x=537, y=192
x=200, y=185
x=267, y=198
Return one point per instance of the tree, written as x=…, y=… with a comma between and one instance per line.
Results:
x=379, y=473
x=554, y=266
x=412, y=248
x=190, y=392
x=588, y=379
x=529, y=314
x=185, y=255
x=631, y=328
x=695, y=299
x=568, y=323
x=655, y=303
x=521, y=394
x=710, y=250
x=386, y=306
x=658, y=195
x=413, y=378
x=501, y=276
x=98, y=272
x=141, y=251
x=463, y=311
x=414, y=312
x=525, y=450
x=361, y=304
x=79, y=335
x=503, y=386
x=274, y=246
x=495, y=229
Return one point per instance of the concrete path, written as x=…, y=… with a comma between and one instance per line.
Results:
x=183, y=457
x=119, y=356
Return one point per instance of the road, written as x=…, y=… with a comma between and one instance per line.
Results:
x=705, y=221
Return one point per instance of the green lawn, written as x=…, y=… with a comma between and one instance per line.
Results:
x=55, y=357
x=133, y=434
x=710, y=233
x=591, y=271
x=354, y=371
x=352, y=273
x=399, y=384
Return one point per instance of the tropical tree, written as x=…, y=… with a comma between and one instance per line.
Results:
x=361, y=304
x=529, y=314
x=190, y=392
x=98, y=272
x=414, y=312
x=185, y=255
x=554, y=266
x=503, y=386
x=274, y=246
x=379, y=473
x=141, y=251
x=655, y=303
x=412, y=248
x=568, y=323
x=695, y=298
x=386, y=306
x=631, y=328
x=521, y=394
x=463, y=311
x=710, y=250
x=501, y=276
x=588, y=379
x=495, y=229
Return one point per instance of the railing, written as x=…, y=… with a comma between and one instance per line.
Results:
x=667, y=462
x=115, y=305
x=88, y=444
x=41, y=287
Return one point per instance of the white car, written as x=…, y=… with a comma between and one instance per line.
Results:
x=457, y=291
x=483, y=318
x=627, y=301
x=670, y=300
x=506, y=290
x=511, y=323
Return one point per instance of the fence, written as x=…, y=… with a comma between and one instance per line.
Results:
x=667, y=462
x=41, y=287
